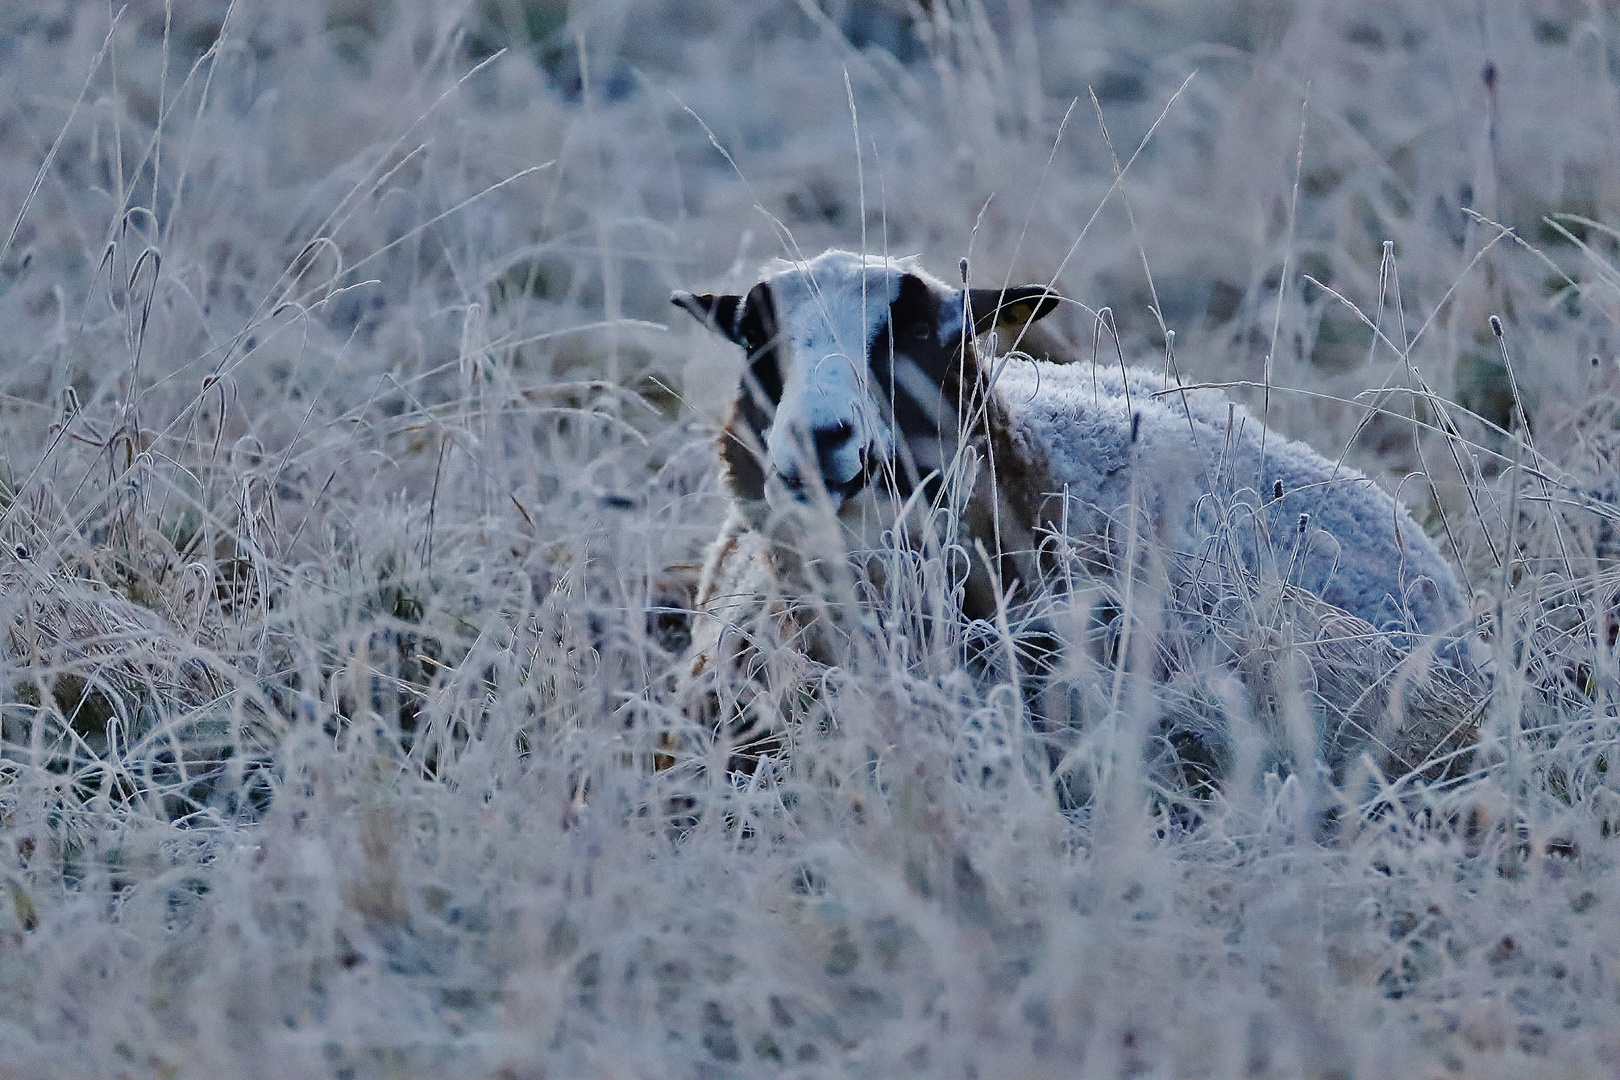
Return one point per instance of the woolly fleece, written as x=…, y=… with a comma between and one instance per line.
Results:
x=1359, y=550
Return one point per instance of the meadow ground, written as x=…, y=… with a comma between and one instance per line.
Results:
x=353, y=467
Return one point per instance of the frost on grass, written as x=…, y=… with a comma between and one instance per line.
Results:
x=355, y=471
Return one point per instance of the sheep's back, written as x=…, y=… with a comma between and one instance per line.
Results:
x=1202, y=473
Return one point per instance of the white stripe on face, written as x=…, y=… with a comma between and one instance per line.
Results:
x=829, y=311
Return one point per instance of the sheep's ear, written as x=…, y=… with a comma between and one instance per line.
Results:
x=721, y=314
x=1011, y=307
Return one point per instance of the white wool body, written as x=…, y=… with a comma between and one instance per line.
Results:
x=1204, y=475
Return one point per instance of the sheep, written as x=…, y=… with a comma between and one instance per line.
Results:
x=865, y=388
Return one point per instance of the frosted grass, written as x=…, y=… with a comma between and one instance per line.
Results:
x=355, y=471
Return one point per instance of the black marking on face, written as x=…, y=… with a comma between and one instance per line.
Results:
x=760, y=394
x=912, y=340
x=914, y=325
x=751, y=323
x=757, y=333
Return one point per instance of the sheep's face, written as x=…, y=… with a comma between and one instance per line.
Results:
x=847, y=356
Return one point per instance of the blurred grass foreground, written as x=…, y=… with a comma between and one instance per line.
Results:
x=353, y=470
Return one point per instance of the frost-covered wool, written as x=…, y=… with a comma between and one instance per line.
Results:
x=1197, y=459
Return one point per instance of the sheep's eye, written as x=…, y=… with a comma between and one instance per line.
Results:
x=921, y=331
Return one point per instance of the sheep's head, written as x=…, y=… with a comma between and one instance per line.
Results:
x=847, y=357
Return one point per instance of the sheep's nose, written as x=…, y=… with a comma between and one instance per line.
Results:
x=837, y=479
x=828, y=441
